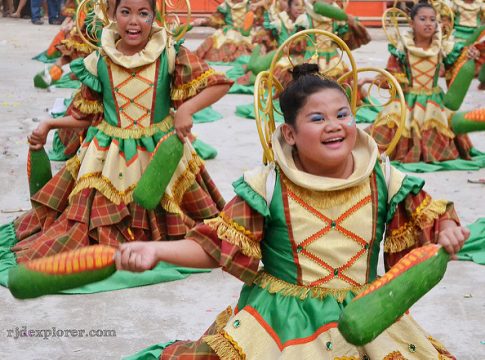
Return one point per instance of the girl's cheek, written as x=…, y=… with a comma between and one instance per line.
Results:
x=351, y=121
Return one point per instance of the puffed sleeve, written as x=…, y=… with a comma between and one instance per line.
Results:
x=413, y=220
x=191, y=76
x=87, y=102
x=395, y=65
x=233, y=238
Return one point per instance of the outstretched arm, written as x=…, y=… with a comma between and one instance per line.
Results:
x=140, y=256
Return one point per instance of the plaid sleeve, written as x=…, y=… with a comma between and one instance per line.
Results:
x=191, y=76
x=415, y=223
x=233, y=239
x=86, y=105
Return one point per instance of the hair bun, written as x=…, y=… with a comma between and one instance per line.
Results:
x=304, y=69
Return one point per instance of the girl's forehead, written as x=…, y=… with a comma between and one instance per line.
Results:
x=426, y=12
x=136, y=3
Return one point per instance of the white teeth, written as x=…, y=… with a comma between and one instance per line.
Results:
x=333, y=140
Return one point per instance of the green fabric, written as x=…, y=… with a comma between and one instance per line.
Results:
x=462, y=32
x=301, y=317
x=481, y=74
x=247, y=111
x=84, y=76
x=150, y=353
x=410, y=185
x=477, y=162
x=7, y=257
x=163, y=272
x=368, y=111
x=241, y=89
x=277, y=250
x=474, y=248
x=206, y=115
x=65, y=82
x=254, y=200
x=42, y=57
x=242, y=60
x=450, y=58
x=57, y=151
x=205, y=151
x=382, y=211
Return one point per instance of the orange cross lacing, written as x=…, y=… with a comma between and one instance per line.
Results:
x=336, y=225
x=133, y=74
x=428, y=79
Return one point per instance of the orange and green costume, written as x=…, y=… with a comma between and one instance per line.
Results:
x=319, y=241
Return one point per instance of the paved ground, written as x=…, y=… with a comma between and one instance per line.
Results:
x=453, y=312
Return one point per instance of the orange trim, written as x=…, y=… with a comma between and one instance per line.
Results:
x=292, y=342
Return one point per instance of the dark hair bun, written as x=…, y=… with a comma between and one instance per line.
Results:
x=304, y=69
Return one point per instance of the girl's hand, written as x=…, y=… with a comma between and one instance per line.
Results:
x=136, y=256
x=453, y=238
x=473, y=53
x=183, y=123
x=198, y=22
x=38, y=137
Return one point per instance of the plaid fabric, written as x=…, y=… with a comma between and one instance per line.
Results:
x=430, y=146
x=55, y=225
x=70, y=138
x=85, y=94
x=227, y=52
x=229, y=256
x=189, y=67
x=191, y=350
x=428, y=234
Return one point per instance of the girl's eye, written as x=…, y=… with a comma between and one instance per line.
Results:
x=317, y=117
x=124, y=12
x=343, y=115
x=144, y=14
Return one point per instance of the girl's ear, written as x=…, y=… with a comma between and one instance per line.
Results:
x=288, y=133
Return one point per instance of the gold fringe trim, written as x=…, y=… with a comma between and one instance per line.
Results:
x=274, y=285
x=401, y=78
x=235, y=234
x=191, y=88
x=171, y=203
x=419, y=91
x=325, y=200
x=76, y=45
x=105, y=187
x=224, y=346
x=73, y=165
x=87, y=106
x=114, y=131
x=223, y=318
x=395, y=355
x=405, y=236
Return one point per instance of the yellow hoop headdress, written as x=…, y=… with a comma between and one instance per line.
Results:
x=169, y=16
x=99, y=11
x=268, y=87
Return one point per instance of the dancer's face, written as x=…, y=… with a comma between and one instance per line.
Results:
x=296, y=9
x=135, y=19
x=424, y=23
x=324, y=133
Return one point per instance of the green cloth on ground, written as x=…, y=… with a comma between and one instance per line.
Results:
x=42, y=57
x=150, y=353
x=477, y=162
x=368, y=111
x=205, y=151
x=474, y=248
x=241, y=89
x=163, y=272
x=247, y=111
x=242, y=60
x=206, y=115
x=65, y=82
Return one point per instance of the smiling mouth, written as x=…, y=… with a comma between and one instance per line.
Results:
x=333, y=140
x=133, y=32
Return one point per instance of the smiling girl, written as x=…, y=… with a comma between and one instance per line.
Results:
x=415, y=62
x=131, y=87
x=316, y=219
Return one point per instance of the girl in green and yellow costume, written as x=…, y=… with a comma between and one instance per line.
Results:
x=469, y=15
x=316, y=218
x=129, y=88
x=415, y=62
x=231, y=40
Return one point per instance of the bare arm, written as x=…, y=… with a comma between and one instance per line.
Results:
x=140, y=256
x=38, y=137
x=208, y=96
